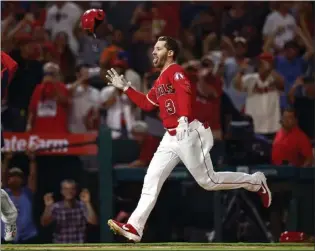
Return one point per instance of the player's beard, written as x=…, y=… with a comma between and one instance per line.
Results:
x=159, y=62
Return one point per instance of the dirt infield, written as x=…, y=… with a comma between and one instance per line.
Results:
x=161, y=246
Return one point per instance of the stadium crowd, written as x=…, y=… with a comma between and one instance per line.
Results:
x=252, y=63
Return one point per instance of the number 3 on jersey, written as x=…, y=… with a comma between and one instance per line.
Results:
x=170, y=107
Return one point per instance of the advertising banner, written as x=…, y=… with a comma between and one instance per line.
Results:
x=51, y=144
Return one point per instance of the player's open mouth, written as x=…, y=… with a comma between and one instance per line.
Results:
x=155, y=60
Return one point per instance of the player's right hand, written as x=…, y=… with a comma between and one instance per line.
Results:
x=182, y=130
x=118, y=81
x=48, y=199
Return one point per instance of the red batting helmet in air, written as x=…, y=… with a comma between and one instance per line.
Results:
x=91, y=19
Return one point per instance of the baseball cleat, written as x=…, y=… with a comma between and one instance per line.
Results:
x=126, y=230
x=9, y=232
x=264, y=192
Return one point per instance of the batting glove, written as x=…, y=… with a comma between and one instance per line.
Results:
x=118, y=81
x=182, y=130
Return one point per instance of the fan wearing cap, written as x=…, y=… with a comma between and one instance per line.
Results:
x=48, y=109
x=83, y=113
x=209, y=92
x=148, y=144
x=21, y=190
x=240, y=49
x=263, y=95
x=291, y=64
x=232, y=65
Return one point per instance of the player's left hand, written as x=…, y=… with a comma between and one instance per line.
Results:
x=118, y=81
x=182, y=130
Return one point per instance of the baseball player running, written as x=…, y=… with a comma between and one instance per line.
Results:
x=186, y=139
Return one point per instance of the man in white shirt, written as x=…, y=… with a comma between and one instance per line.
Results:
x=263, y=95
x=120, y=113
x=83, y=114
x=281, y=21
x=64, y=16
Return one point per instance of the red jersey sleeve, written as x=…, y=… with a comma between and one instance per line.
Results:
x=145, y=102
x=183, y=90
x=9, y=64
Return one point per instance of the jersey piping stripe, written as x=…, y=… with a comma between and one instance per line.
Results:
x=166, y=68
x=151, y=101
x=204, y=161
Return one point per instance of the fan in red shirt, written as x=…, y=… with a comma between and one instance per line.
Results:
x=291, y=146
x=48, y=109
x=148, y=144
x=208, y=101
x=186, y=139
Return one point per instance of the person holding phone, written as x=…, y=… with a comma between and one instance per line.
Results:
x=84, y=113
x=48, y=109
x=263, y=95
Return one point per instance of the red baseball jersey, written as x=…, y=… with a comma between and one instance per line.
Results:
x=172, y=92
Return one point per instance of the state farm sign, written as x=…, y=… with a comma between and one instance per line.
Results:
x=35, y=142
x=48, y=144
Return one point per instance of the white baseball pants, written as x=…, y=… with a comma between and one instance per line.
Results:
x=8, y=210
x=194, y=153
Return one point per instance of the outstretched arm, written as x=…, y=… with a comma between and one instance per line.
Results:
x=145, y=102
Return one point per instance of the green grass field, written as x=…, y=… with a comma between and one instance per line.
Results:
x=164, y=246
